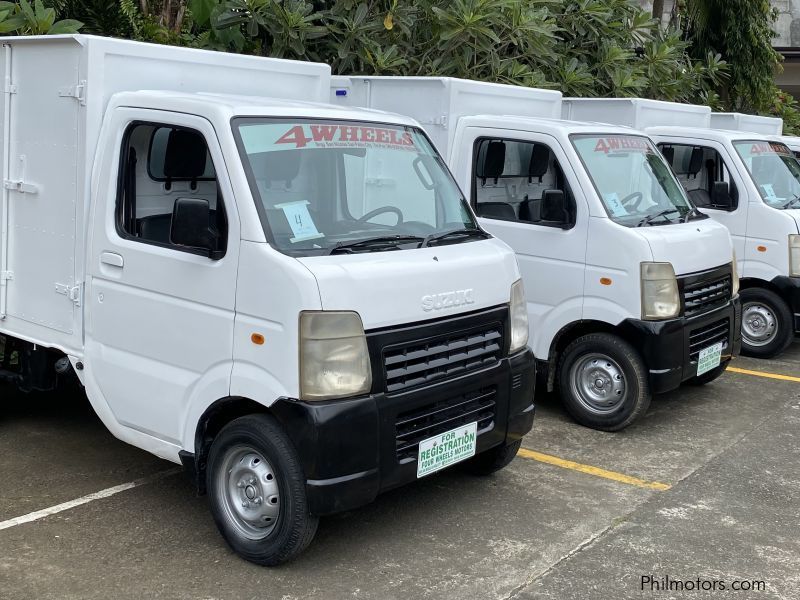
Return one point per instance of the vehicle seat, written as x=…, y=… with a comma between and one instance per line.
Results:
x=497, y=210
x=185, y=157
x=700, y=197
x=493, y=163
x=695, y=162
x=155, y=228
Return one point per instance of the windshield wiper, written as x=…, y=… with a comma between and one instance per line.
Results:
x=374, y=243
x=466, y=233
x=663, y=214
x=790, y=202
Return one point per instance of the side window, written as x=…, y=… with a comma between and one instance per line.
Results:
x=520, y=181
x=698, y=168
x=168, y=193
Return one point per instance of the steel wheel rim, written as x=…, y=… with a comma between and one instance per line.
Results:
x=598, y=383
x=248, y=487
x=759, y=324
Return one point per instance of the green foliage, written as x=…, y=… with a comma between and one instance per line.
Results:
x=741, y=31
x=22, y=18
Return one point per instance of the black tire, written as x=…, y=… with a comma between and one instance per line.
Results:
x=777, y=313
x=294, y=527
x=708, y=376
x=492, y=460
x=624, y=380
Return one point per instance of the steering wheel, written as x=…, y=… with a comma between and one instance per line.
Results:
x=628, y=201
x=379, y=211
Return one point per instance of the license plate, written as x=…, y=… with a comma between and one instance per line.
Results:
x=709, y=358
x=445, y=449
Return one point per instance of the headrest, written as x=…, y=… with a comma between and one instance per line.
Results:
x=185, y=156
x=695, y=161
x=281, y=165
x=669, y=153
x=494, y=161
x=540, y=161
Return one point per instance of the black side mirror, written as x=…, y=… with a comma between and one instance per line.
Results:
x=554, y=208
x=190, y=226
x=721, y=195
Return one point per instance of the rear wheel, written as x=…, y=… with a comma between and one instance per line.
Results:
x=257, y=491
x=603, y=382
x=492, y=460
x=767, y=323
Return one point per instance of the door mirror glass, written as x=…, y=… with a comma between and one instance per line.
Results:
x=721, y=195
x=191, y=218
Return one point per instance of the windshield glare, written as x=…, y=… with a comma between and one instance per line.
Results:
x=320, y=185
x=632, y=179
x=774, y=170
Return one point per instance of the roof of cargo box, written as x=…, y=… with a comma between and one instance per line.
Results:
x=745, y=122
x=639, y=113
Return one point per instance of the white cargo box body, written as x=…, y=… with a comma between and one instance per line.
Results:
x=639, y=113
x=748, y=123
x=56, y=92
x=438, y=102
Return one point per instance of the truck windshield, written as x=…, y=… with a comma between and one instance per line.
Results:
x=632, y=179
x=325, y=187
x=774, y=170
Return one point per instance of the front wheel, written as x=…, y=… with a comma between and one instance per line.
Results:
x=767, y=323
x=257, y=491
x=603, y=382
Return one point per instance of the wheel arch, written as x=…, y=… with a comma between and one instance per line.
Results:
x=210, y=423
x=568, y=334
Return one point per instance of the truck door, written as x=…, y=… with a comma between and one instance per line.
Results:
x=513, y=179
x=698, y=164
x=162, y=272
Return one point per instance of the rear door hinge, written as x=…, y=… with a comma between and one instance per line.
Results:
x=77, y=91
x=6, y=276
x=71, y=292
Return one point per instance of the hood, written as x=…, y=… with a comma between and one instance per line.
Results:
x=690, y=247
x=407, y=286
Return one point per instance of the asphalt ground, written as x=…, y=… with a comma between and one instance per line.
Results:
x=704, y=490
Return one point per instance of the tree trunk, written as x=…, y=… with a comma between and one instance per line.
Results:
x=658, y=10
x=176, y=27
x=143, y=6
x=166, y=13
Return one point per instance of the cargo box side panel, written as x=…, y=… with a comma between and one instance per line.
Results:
x=43, y=300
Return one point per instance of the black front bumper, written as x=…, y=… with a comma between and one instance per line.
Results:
x=669, y=348
x=789, y=288
x=349, y=450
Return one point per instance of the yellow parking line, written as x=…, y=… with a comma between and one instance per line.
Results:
x=763, y=374
x=596, y=471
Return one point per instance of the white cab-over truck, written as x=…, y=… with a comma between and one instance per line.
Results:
x=292, y=299
x=630, y=290
x=748, y=181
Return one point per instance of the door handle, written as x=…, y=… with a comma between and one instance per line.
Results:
x=112, y=259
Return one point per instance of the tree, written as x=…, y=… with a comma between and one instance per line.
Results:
x=22, y=18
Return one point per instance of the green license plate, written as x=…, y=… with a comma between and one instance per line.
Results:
x=709, y=358
x=446, y=449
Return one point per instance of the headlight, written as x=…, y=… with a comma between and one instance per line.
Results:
x=334, y=361
x=659, y=291
x=519, y=317
x=734, y=276
x=794, y=255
